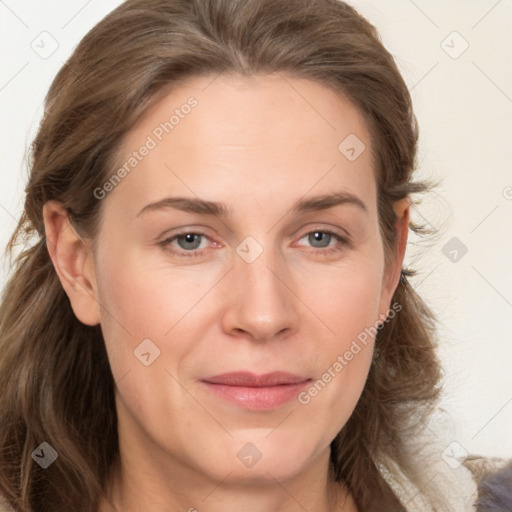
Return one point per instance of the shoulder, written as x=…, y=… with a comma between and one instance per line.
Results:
x=438, y=485
x=494, y=480
x=467, y=484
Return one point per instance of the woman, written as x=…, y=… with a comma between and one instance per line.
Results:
x=214, y=312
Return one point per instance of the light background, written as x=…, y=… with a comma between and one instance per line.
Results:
x=463, y=101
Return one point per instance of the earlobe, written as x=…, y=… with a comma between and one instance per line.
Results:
x=73, y=262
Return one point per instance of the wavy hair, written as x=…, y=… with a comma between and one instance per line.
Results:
x=55, y=376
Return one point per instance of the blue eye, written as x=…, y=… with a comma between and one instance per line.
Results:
x=321, y=239
x=189, y=241
x=188, y=244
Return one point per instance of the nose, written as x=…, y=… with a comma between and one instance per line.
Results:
x=260, y=302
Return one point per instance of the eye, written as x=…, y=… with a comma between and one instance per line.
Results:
x=187, y=244
x=320, y=239
x=327, y=241
x=194, y=244
x=189, y=240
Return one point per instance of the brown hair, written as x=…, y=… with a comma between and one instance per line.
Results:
x=55, y=377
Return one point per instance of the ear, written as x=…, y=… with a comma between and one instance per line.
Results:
x=393, y=272
x=72, y=258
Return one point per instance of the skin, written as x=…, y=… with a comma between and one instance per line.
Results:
x=258, y=145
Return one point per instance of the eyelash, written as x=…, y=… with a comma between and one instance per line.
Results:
x=342, y=243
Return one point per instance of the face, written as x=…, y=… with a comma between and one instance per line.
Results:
x=279, y=273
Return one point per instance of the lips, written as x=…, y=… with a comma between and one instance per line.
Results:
x=256, y=392
x=250, y=380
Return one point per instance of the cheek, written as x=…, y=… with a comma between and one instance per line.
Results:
x=129, y=301
x=347, y=300
x=132, y=312
x=347, y=297
x=141, y=302
x=140, y=310
x=348, y=353
x=139, y=296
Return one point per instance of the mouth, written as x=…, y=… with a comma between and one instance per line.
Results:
x=256, y=392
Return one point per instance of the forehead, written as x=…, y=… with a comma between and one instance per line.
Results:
x=259, y=138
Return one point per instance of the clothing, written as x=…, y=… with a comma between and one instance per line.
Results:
x=458, y=490
x=496, y=491
x=458, y=486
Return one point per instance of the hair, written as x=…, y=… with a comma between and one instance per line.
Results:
x=54, y=371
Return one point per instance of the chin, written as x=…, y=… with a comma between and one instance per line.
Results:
x=258, y=458
x=280, y=457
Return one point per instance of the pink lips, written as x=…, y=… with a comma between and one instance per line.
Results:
x=256, y=392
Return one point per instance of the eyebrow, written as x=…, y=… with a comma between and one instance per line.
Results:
x=204, y=207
